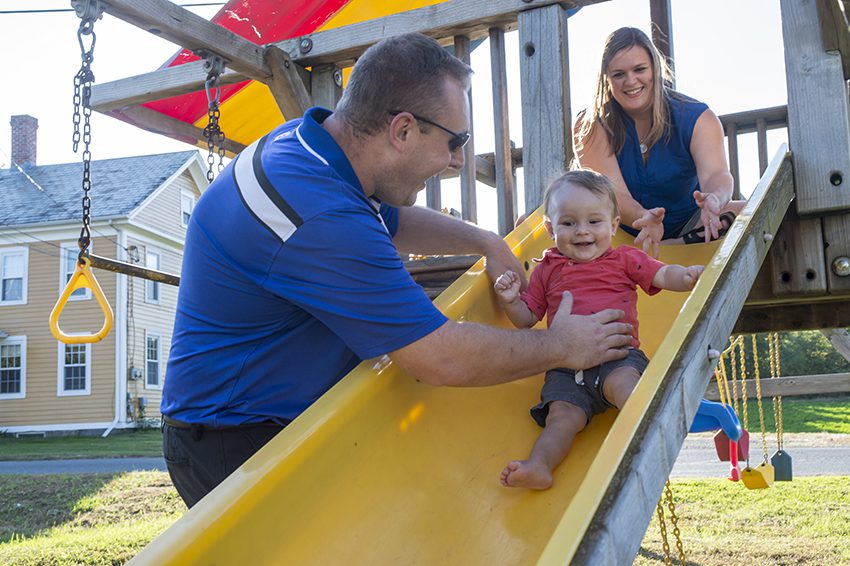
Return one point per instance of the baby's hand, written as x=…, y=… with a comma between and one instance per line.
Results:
x=692, y=273
x=507, y=287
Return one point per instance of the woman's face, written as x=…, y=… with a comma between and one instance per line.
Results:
x=631, y=79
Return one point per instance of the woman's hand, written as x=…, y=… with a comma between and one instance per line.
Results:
x=710, y=207
x=651, y=230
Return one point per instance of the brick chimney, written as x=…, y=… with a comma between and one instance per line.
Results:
x=24, y=139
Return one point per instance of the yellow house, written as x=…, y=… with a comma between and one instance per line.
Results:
x=139, y=210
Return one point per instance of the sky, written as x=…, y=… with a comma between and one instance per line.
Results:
x=728, y=54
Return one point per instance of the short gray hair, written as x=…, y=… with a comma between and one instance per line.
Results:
x=404, y=73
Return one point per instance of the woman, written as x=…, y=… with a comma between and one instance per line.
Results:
x=663, y=150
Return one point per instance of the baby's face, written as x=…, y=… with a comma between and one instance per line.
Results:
x=582, y=223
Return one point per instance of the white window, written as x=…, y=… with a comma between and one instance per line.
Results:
x=153, y=355
x=187, y=205
x=13, y=276
x=152, y=260
x=68, y=263
x=74, y=369
x=13, y=367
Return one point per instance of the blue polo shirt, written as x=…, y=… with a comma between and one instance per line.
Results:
x=669, y=177
x=290, y=278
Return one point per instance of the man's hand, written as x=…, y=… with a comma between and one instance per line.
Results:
x=507, y=287
x=651, y=230
x=593, y=339
x=500, y=259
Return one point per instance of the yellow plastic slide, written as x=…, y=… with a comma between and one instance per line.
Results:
x=386, y=470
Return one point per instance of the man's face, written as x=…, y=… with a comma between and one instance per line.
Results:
x=428, y=149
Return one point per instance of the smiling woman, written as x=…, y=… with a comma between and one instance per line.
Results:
x=662, y=149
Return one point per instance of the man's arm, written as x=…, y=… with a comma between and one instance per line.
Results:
x=468, y=354
x=425, y=231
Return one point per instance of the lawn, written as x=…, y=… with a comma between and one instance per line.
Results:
x=117, y=445
x=798, y=415
x=104, y=519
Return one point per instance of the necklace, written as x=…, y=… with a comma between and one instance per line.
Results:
x=643, y=148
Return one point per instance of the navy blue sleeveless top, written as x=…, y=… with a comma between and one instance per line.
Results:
x=669, y=177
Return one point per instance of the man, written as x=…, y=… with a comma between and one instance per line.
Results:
x=291, y=274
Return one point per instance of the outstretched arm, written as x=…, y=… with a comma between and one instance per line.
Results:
x=425, y=231
x=677, y=277
x=594, y=152
x=715, y=180
x=469, y=354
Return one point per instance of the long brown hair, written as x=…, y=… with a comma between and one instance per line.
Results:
x=608, y=113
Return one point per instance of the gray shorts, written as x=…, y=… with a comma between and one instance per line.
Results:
x=561, y=385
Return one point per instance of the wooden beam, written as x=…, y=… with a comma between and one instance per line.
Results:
x=818, y=112
x=156, y=85
x=822, y=384
x=161, y=124
x=799, y=315
x=326, y=85
x=178, y=25
x=833, y=31
x=661, y=17
x=506, y=197
x=286, y=86
x=546, y=115
x=747, y=121
x=472, y=18
x=468, y=186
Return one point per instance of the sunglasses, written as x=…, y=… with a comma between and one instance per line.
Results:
x=457, y=140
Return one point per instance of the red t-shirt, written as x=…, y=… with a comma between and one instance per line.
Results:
x=608, y=282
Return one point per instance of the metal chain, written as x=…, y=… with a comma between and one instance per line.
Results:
x=737, y=404
x=212, y=132
x=674, y=520
x=661, y=523
x=88, y=11
x=758, y=396
x=776, y=371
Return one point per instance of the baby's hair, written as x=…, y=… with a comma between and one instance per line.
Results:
x=589, y=179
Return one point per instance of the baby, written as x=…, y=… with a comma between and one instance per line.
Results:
x=581, y=215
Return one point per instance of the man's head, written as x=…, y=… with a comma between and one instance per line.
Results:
x=402, y=73
x=406, y=109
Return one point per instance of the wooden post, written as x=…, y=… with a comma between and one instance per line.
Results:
x=468, y=186
x=286, y=85
x=662, y=29
x=819, y=135
x=732, y=141
x=326, y=85
x=506, y=197
x=818, y=112
x=433, y=194
x=544, y=73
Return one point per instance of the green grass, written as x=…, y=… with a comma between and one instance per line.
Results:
x=806, y=521
x=134, y=443
x=83, y=519
x=802, y=415
x=105, y=519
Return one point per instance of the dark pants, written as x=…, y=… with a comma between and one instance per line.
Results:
x=199, y=458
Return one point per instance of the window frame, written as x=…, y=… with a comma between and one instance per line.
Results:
x=60, y=373
x=159, y=376
x=65, y=276
x=9, y=251
x=22, y=342
x=153, y=286
x=192, y=199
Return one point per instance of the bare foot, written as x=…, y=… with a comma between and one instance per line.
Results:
x=525, y=473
